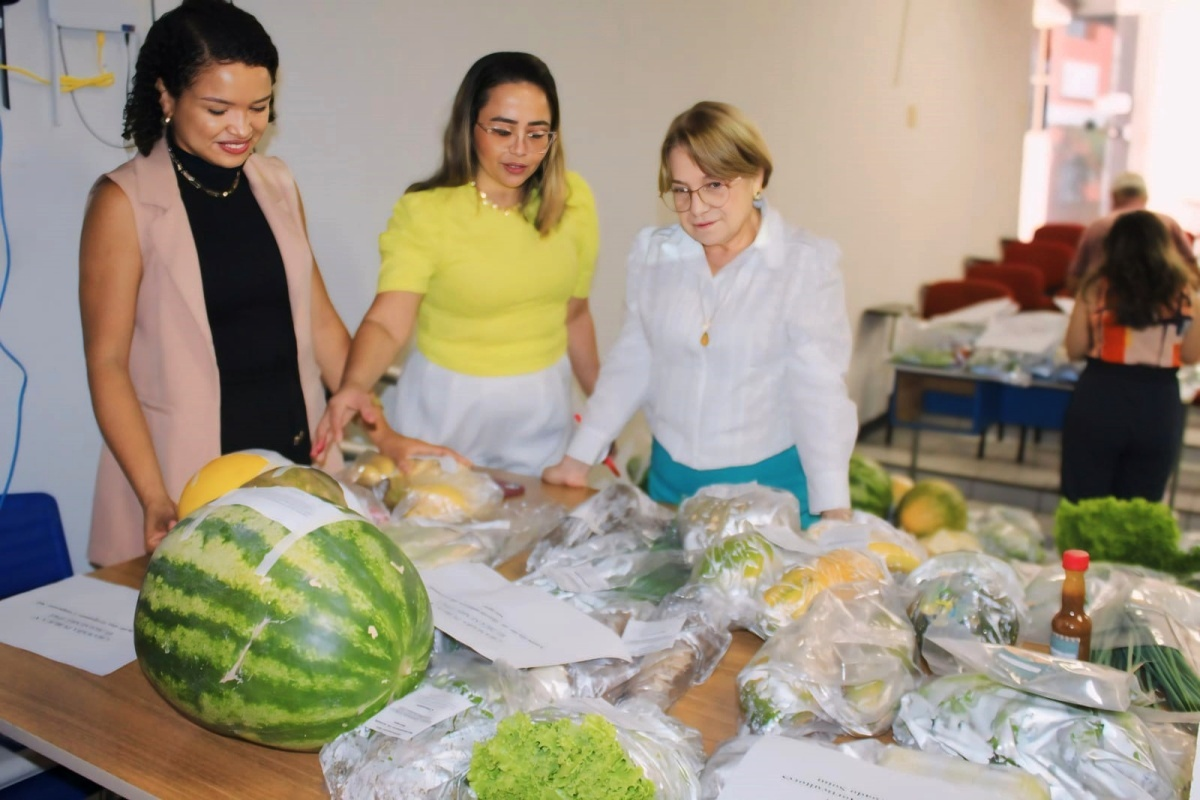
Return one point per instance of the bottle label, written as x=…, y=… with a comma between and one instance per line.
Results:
x=1064, y=646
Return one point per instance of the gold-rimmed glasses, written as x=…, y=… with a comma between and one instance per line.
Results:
x=538, y=139
x=714, y=194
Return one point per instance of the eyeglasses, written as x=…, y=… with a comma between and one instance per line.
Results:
x=714, y=194
x=539, y=140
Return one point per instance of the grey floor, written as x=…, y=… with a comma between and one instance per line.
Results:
x=999, y=477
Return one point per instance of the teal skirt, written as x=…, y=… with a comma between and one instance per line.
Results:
x=672, y=482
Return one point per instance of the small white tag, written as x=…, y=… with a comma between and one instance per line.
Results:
x=418, y=711
x=846, y=537
x=788, y=539
x=581, y=579
x=643, y=637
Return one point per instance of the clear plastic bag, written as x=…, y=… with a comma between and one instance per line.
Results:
x=1013, y=534
x=966, y=596
x=841, y=669
x=1080, y=753
x=619, y=514
x=784, y=602
x=669, y=754
x=723, y=510
x=365, y=765
x=899, y=549
x=441, y=489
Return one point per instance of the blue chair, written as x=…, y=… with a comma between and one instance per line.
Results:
x=33, y=553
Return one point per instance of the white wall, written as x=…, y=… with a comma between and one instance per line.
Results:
x=363, y=96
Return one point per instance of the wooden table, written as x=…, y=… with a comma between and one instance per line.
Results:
x=118, y=732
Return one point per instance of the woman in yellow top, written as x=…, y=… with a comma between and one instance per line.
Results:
x=492, y=258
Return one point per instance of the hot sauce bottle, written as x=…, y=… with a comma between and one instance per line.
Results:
x=1071, y=628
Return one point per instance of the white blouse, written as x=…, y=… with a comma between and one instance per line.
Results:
x=772, y=375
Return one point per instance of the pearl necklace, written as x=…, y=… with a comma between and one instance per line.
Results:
x=483, y=198
x=187, y=176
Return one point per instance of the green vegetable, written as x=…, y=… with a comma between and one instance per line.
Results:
x=558, y=760
x=870, y=486
x=1159, y=669
x=1125, y=531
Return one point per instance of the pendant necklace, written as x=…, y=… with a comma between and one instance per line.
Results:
x=187, y=176
x=708, y=318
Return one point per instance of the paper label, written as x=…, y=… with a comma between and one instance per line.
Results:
x=643, y=637
x=418, y=711
x=1064, y=646
x=846, y=537
x=788, y=539
x=81, y=621
x=779, y=768
x=520, y=625
x=581, y=579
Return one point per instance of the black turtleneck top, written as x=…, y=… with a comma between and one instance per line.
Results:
x=249, y=312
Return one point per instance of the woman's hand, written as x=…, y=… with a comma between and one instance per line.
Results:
x=402, y=449
x=840, y=514
x=349, y=402
x=568, y=472
x=160, y=516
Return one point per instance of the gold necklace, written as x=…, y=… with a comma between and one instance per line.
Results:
x=483, y=198
x=187, y=176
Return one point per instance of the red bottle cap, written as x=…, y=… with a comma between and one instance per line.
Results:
x=1075, y=560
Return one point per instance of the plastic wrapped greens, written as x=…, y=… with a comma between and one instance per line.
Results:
x=841, y=668
x=734, y=572
x=620, y=510
x=589, y=751
x=1082, y=754
x=965, y=596
x=1009, y=533
x=722, y=510
x=365, y=765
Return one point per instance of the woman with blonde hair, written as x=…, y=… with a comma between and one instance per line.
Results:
x=1133, y=322
x=735, y=341
x=491, y=259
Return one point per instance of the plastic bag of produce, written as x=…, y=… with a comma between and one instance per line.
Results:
x=841, y=668
x=966, y=596
x=620, y=514
x=786, y=601
x=589, y=750
x=1067, y=679
x=899, y=549
x=726, y=509
x=1107, y=588
x=1080, y=753
x=1009, y=533
x=1155, y=636
x=365, y=765
x=442, y=489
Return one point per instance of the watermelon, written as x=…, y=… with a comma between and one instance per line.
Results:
x=870, y=486
x=253, y=628
x=932, y=505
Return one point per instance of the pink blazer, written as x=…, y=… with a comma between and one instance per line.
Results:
x=172, y=362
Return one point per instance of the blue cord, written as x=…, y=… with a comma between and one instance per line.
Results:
x=12, y=465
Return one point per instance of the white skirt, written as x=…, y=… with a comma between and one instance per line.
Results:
x=519, y=423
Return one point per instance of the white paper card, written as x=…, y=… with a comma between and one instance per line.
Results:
x=580, y=579
x=852, y=536
x=81, y=621
x=778, y=768
x=418, y=711
x=1037, y=332
x=520, y=625
x=643, y=637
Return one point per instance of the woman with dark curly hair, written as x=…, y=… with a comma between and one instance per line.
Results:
x=1133, y=321
x=207, y=327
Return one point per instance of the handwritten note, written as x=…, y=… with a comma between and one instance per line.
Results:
x=81, y=621
x=418, y=711
x=520, y=625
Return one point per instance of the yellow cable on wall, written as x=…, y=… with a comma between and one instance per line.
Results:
x=69, y=83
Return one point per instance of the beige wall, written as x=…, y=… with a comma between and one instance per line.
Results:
x=908, y=159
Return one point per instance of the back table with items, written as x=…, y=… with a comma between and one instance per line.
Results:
x=117, y=731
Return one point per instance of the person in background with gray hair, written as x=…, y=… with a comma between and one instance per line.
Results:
x=1128, y=192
